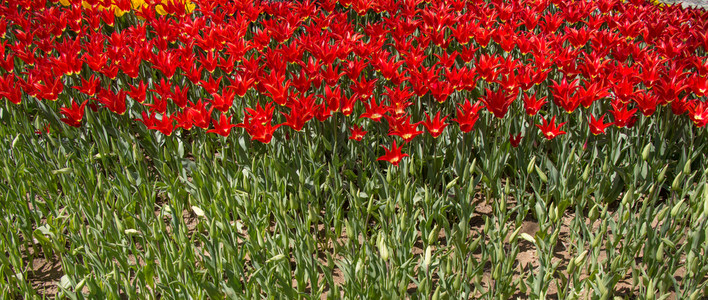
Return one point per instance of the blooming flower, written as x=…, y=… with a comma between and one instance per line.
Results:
x=393, y=155
x=549, y=129
x=222, y=126
x=357, y=133
x=515, y=140
x=74, y=114
x=436, y=125
x=597, y=126
x=468, y=115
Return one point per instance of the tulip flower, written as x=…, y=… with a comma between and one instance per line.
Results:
x=393, y=155
x=549, y=129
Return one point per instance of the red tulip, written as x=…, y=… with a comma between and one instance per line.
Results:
x=515, y=140
x=563, y=93
x=532, y=104
x=403, y=128
x=74, y=114
x=374, y=111
x=436, y=125
x=199, y=114
x=357, y=133
x=646, y=102
x=549, y=129
x=138, y=92
x=222, y=126
x=597, y=126
x=498, y=102
x=393, y=155
x=468, y=116
x=623, y=117
x=698, y=113
x=115, y=102
x=301, y=112
x=224, y=100
x=50, y=89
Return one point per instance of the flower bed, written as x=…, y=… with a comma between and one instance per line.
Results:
x=353, y=149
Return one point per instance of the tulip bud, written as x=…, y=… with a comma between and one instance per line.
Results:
x=131, y=232
x=553, y=214
x=383, y=249
x=475, y=243
x=676, y=209
x=542, y=175
x=628, y=195
x=646, y=151
x=528, y=237
x=675, y=186
x=311, y=217
x=451, y=183
x=580, y=260
x=136, y=153
x=436, y=295
x=276, y=258
x=470, y=266
x=496, y=274
x=531, y=165
x=596, y=240
x=359, y=268
x=198, y=212
x=662, y=174
x=427, y=258
x=643, y=231
x=422, y=285
x=513, y=235
x=691, y=263
x=668, y=242
x=487, y=225
x=370, y=204
x=433, y=235
x=80, y=285
x=662, y=214
x=349, y=231
x=14, y=141
x=594, y=213
x=650, y=290
x=291, y=202
x=695, y=295
x=687, y=167
x=571, y=267
x=660, y=253
x=586, y=173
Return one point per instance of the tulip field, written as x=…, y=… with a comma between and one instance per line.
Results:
x=353, y=149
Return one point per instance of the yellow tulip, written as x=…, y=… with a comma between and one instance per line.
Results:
x=136, y=5
x=189, y=6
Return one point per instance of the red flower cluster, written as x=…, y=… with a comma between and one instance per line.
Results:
x=310, y=60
